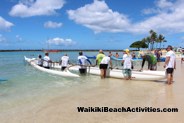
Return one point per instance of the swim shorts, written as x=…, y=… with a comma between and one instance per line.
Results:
x=169, y=70
x=103, y=66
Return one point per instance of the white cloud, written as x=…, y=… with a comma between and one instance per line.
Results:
x=2, y=38
x=27, y=8
x=4, y=24
x=150, y=11
x=160, y=6
x=164, y=3
x=168, y=17
x=60, y=41
x=98, y=17
x=50, y=24
x=18, y=38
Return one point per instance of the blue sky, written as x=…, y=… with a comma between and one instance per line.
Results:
x=88, y=24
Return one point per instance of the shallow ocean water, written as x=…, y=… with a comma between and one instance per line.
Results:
x=27, y=88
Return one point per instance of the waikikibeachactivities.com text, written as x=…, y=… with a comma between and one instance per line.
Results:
x=125, y=109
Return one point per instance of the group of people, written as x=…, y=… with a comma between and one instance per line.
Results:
x=101, y=60
x=104, y=62
x=169, y=64
x=46, y=61
x=151, y=58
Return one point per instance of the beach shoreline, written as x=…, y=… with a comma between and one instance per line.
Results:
x=107, y=93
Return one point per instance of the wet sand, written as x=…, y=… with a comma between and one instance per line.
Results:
x=171, y=96
x=113, y=93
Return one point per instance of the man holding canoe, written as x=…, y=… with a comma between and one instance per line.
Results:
x=170, y=64
x=83, y=63
x=103, y=62
x=64, y=62
x=151, y=59
x=127, y=65
x=46, y=61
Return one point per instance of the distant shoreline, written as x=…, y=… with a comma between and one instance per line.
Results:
x=65, y=50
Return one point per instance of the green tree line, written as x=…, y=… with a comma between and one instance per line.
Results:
x=151, y=42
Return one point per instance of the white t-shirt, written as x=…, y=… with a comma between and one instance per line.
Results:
x=127, y=61
x=105, y=60
x=64, y=60
x=172, y=56
x=39, y=61
x=45, y=61
x=83, y=59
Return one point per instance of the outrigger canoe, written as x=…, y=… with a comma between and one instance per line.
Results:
x=117, y=73
x=55, y=72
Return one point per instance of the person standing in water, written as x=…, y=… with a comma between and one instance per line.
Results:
x=46, y=61
x=170, y=64
x=127, y=64
x=151, y=59
x=64, y=62
x=99, y=58
x=83, y=63
x=105, y=62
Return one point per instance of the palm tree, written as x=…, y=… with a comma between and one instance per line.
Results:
x=164, y=41
x=161, y=39
x=156, y=43
x=153, y=37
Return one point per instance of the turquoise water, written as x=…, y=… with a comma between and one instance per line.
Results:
x=25, y=83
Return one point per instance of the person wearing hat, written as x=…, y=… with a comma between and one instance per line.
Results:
x=127, y=64
x=151, y=59
x=170, y=64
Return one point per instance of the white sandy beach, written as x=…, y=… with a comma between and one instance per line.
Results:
x=113, y=93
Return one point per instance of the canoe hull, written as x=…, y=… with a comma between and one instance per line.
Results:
x=115, y=73
x=55, y=72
